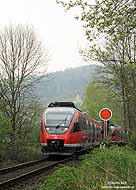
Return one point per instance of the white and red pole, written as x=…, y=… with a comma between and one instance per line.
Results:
x=105, y=114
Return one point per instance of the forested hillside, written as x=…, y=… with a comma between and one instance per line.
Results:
x=65, y=85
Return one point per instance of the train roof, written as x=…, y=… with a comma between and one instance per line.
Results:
x=61, y=109
x=63, y=104
x=64, y=107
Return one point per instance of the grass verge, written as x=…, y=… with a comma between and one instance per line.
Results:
x=115, y=166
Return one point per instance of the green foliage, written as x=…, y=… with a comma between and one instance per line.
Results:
x=132, y=140
x=105, y=17
x=5, y=132
x=119, y=163
x=29, y=152
x=62, y=179
x=27, y=136
x=4, y=128
x=99, y=96
x=28, y=141
x=96, y=170
x=110, y=30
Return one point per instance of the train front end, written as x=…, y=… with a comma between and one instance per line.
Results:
x=56, y=125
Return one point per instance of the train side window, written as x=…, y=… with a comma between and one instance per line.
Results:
x=76, y=127
x=95, y=130
x=81, y=123
x=84, y=125
x=98, y=132
x=115, y=133
x=90, y=131
x=88, y=126
x=109, y=131
x=93, y=127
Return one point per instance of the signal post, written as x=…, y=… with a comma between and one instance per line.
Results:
x=105, y=114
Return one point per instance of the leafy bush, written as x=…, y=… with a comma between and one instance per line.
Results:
x=27, y=153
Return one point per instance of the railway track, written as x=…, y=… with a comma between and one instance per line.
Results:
x=13, y=175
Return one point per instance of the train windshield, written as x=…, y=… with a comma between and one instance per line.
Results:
x=58, y=123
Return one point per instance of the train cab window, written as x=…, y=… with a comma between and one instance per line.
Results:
x=54, y=119
x=57, y=122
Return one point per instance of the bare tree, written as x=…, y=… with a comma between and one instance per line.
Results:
x=23, y=62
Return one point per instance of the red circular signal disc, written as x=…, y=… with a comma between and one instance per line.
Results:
x=105, y=114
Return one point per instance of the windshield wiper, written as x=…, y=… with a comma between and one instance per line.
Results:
x=59, y=124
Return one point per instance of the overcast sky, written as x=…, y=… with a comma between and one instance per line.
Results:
x=60, y=32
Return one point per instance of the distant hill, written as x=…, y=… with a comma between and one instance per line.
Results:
x=65, y=85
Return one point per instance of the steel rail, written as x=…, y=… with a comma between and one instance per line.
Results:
x=19, y=166
x=32, y=173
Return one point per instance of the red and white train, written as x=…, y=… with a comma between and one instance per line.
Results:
x=66, y=130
